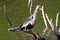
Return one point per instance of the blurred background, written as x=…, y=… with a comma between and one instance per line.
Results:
x=18, y=12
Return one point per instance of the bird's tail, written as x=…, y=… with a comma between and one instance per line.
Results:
x=12, y=29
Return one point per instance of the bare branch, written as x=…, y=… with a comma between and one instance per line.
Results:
x=48, y=33
x=42, y=9
x=30, y=5
x=50, y=22
x=57, y=19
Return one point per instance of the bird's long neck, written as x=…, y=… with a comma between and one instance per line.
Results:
x=36, y=9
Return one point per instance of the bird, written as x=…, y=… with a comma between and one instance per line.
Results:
x=26, y=26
